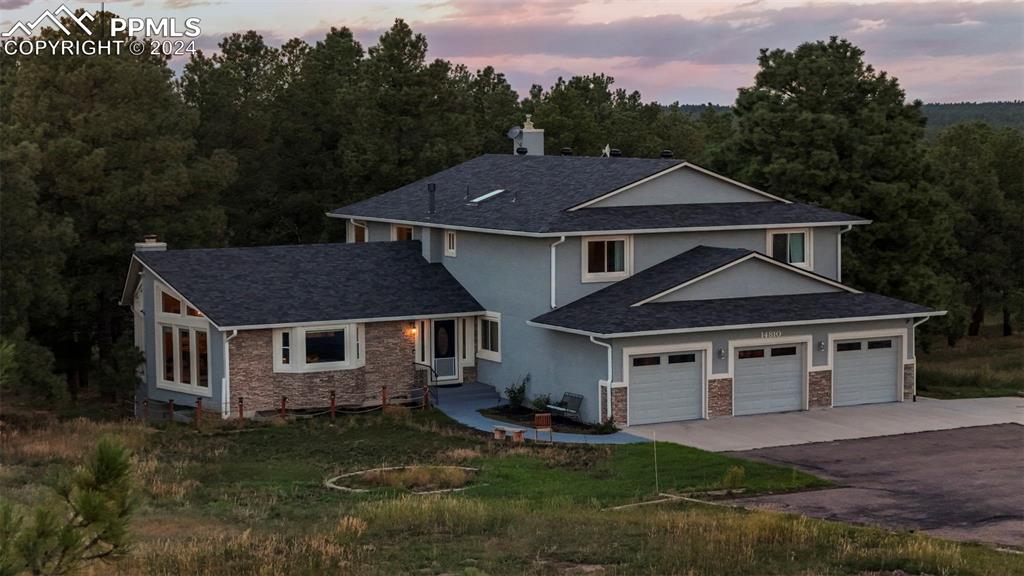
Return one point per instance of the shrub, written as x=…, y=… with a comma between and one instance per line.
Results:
x=606, y=427
x=540, y=403
x=734, y=478
x=516, y=392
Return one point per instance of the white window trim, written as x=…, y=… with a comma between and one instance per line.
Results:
x=350, y=235
x=355, y=336
x=808, y=245
x=395, y=227
x=193, y=388
x=627, y=248
x=467, y=340
x=480, y=351
x=182, y=318
x=450, y=243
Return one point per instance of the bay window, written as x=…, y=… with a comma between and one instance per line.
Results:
x=184, y=349
x=606, y=259
x=318, y=348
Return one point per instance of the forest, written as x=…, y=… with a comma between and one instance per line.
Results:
x=252, y=144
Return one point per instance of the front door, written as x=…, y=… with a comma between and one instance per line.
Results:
x=446, y=357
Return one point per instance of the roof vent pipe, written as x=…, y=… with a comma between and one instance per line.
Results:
x=431, y=198
x=522, y=150
x=615, y=153
x=666, y=154
x=566, y=151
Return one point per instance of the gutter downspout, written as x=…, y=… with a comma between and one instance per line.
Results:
x=608, y=392
x=914, y=328
x=839, y=251
x=553, y=246
x=226, y=381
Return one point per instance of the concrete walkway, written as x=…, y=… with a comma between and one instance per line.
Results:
x=461, y=404
x=769, y=430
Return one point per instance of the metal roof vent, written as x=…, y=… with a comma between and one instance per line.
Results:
x=566, y=151
x=522, y=150
x=666, y=154
x=615, y=153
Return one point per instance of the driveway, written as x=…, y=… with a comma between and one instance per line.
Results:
x=768, y=430
x=965, y=484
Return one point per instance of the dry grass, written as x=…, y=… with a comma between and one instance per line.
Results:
x=417, y=478
x=460, y=455
x=66, y=442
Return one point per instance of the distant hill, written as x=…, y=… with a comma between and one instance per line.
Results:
x=1009, y=114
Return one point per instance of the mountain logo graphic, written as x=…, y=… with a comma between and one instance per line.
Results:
x=54, y=18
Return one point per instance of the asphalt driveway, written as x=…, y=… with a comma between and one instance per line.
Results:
x=964, y=484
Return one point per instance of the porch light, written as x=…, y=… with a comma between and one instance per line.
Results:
x=821, y=345
x=410, y=331
x=721, y=353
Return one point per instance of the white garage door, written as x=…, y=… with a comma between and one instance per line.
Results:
x=865, y=371
x=768, y=379
x=665, y=387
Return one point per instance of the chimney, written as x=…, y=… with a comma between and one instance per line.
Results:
x=431, y=198
x=149, y=244
x=530, y=138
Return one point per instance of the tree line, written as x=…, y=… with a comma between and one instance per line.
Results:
x=253, y=144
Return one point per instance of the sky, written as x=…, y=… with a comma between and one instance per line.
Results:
x=688, y=51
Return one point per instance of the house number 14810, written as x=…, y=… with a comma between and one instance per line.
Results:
x=771, y=333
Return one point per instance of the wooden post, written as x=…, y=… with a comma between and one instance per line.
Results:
x=426, y=395
x=241, y=409
x=284, y=401
x=170, y=412
x=332, y=405
x=199, y=412
x=383, y=396
x=145, y=410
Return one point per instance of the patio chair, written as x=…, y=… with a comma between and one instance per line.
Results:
x=568, y=406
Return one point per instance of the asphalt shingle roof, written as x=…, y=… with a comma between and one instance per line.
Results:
x=311, y=283
x=611, y=311
x=539, y=190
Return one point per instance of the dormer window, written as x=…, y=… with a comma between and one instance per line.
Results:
x=790, y=246
x=401, y=232
x=606, y=258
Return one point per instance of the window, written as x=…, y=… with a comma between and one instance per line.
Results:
x=185, y=358
x=876, y=344
x=489, y=337
x=190, y=311
x=748, y=354
x=848, y=346
x=681, y=358
x=169, y=304
x=606, y=259
x=449, y=243
x=790, y=246
x=787, y=351
x=400, y=232
x=318, y=348
x=646, y=361
x=358, y=231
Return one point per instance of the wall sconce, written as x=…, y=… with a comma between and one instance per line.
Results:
x=821, y=345
x=721, y=353
x=410, y=331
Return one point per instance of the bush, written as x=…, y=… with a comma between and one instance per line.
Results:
x=540, y=403
x=516, y=393
x=606, y=427
x=734, y=478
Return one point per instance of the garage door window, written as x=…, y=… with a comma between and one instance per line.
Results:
x=747, y=354
x=787, y=351
x=876, y=344
x=681, y=358
x=647, y=361
x=848, y=347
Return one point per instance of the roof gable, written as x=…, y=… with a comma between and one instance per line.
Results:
x=681, y=184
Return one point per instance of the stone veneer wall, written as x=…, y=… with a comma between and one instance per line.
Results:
x=719, y=397
x=819, y=383
x=620, y=405
x=909, y=381
x=388, y=354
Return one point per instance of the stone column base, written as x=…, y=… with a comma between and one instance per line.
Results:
x=719, y=397
x=819, y=393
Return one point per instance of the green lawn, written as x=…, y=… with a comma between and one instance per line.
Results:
x=253, y=501
x=977, y=367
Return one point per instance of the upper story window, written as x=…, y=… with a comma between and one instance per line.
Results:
x=790, y=246
x=319, y=348
x=450, y=243
x=606, y=258
x=401, y=232
x=357, y=231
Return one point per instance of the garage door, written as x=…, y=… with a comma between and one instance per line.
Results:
x=768, y=379
x=665, y=387
x=865, y=371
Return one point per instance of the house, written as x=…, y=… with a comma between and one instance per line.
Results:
x=656, y=289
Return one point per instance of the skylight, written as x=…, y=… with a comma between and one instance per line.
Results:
x=487, y=196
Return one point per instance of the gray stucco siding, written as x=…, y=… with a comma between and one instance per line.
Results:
x=152, y=391
x=682, y=186
x=720, y=340
x=751, y=278
x=826, y=255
